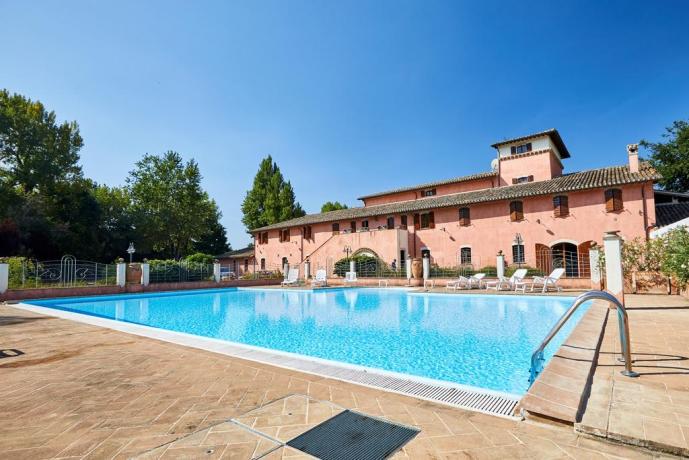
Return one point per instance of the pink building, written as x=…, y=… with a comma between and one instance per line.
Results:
x=526, y=206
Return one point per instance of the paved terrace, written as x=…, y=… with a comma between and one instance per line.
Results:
x=80, y=391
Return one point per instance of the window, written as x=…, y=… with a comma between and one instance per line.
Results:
x=263, y=264
x=429, y=192
x=352, y=225
x=613, y=200
x=263, y=238
x=518, y=253
x=464, y=217
x=364, y=224
x=523, y=148
x=336, y=228
x=465, y=256
x=425, y=220
x=246, y=265
x=516, y=211
x=522, y=180
x=306, y=231
x=403, y=221
x=284, y=235
x=561, y=206
x=391, y=222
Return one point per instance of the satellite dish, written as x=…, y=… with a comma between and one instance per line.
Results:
x=494, y=164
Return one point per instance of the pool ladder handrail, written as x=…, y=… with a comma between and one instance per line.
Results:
x=623, y=320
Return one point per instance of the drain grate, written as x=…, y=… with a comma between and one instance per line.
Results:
x=350, y=435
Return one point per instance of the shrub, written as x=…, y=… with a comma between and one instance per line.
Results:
x=200, y=258
x=643, y=256
x=675, y=261
x=15, y=271
x=365, y=265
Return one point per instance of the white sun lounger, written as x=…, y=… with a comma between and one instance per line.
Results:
x=507, y=283
x=292, y=278
x=320, y=279
x=544, y=282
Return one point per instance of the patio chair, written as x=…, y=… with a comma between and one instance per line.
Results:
x=350, y=278
x=545, y=282
x=320, y=279
x=458, y=283
x=476, y=278
x=292, y=278
x=507, y=283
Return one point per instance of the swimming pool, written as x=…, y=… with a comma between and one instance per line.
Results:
x=483, y=341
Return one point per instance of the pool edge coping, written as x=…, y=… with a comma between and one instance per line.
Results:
x=486, y=401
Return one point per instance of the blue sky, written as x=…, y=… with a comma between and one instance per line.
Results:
x=348, y=97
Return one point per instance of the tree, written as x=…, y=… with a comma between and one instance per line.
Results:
x=35, y=151
x=215, y=240
x=116, y=227
x=332, y=206
x=271, y=199
x=169, y=205
x=671, y=158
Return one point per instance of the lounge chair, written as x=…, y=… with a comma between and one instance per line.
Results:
x=507, y=283
x=292, y=278
x=459, y=283
x=321, y=279
x=545, y=282
x=476, y=278
x=350, y=278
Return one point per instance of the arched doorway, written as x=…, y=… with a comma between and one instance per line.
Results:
x=566, y=255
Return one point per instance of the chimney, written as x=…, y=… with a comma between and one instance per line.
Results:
x=633, y=153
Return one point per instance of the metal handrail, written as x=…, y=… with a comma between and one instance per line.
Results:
x=537, y=356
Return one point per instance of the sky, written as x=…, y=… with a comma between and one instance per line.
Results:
x=348, y=97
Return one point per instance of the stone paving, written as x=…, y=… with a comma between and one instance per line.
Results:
x=71, y=390
x=653, y=409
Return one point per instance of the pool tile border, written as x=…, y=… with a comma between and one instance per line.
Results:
x=456, y=395
x=562, y=389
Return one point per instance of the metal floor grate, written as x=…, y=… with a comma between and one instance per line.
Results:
x=353, y=436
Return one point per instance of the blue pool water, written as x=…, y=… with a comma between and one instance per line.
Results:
x=480, y=340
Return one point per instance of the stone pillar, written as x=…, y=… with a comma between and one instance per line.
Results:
x=285, y=270
x=426, y=268
x=352, y=266
x=216, y=271
x=4, y=277
x=407, y=267
x=121, y=274
x=614, y=275
x=594, y=263
x=307, y=269
x=145, y=273
x=500, y=264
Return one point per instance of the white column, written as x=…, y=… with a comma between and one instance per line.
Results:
x=407, y=267
x=426, y=267
x=4, y=277
x=145, y=274
x=307, y=270
x=352, y=266
x=594, y=266
x=614, y=275
x=285, y=270
x=216, y=271
x=500, y=265
x=121, y=274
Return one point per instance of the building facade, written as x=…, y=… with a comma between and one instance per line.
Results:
x=525, y=206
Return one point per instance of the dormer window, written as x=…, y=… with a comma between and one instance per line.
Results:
x=522, y=148
x=429, y=192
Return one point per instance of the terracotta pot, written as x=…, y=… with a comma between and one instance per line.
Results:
x=133, y=273
x=417, y=267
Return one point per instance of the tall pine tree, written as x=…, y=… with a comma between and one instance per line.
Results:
x=271, y=198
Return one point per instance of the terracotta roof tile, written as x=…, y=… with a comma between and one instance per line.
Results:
x=433, y=184
x=595, y=178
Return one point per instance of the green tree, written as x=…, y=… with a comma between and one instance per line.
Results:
x=35, y=150
x=271, y=198
x=170, y=207
x=671, y=158
x=116, y=227
x=214, y=241
x=332, y=206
